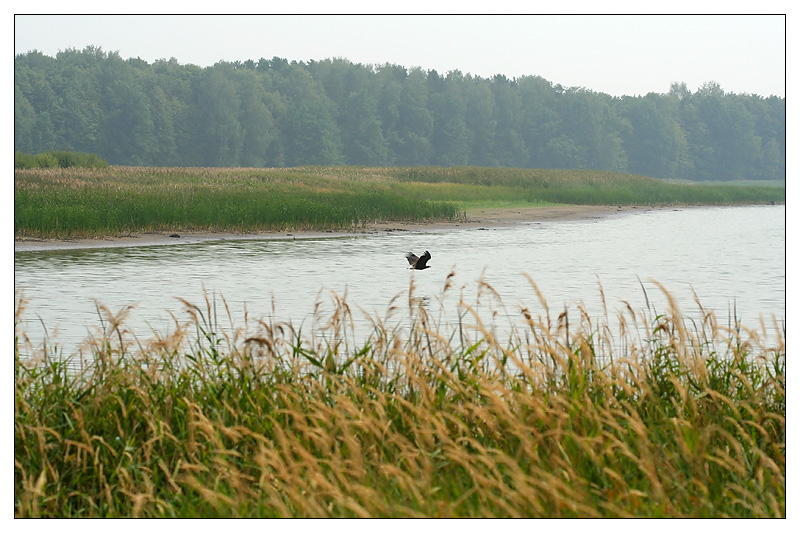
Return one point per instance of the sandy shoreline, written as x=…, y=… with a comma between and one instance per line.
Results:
x=479, y=218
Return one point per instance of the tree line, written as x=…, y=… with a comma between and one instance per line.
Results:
x=276, y=113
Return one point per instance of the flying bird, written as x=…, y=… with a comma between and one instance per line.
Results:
x=418, y=263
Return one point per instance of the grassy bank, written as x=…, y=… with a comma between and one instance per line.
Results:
x=425, y=417
x=76, y=202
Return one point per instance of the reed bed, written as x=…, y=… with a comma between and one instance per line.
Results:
x=590, y=187
x=59, y=203
x=81, y=202
x=639, y=414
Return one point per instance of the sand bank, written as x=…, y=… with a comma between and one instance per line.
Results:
x=477, y=218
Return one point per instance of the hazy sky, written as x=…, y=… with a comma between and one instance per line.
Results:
x=612, y=54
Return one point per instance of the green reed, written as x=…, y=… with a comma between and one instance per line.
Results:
x=588, y=187
x=73, y=203
x=119, y=200
x=434, y=413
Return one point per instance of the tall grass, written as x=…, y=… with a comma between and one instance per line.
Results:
x=118, y=200
x=589, y=187
x=59, y=203
x=645, y=414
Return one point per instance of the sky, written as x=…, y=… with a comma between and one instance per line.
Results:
x=613, y=54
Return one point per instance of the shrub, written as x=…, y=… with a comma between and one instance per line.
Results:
x=60, y=159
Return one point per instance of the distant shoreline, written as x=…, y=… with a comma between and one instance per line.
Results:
x=477, y=218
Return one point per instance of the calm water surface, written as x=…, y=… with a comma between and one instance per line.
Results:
x=727, y=256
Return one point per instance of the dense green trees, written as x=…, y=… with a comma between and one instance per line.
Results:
x=280, y=113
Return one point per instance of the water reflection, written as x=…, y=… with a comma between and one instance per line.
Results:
x=725, y=257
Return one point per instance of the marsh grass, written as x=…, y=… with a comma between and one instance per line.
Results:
x=590, y=187
x=75, y=202
x=645, y=414
x=84, y=202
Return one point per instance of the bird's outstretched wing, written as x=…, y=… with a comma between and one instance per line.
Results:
x=412, y=259
x=423, y=260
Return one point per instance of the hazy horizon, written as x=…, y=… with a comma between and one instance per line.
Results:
x=618, y=55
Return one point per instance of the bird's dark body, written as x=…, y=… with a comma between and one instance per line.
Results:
x=418, y=263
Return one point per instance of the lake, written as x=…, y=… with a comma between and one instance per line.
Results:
x=730, y=257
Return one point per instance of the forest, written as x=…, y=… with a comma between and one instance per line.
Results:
x=277, y=113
